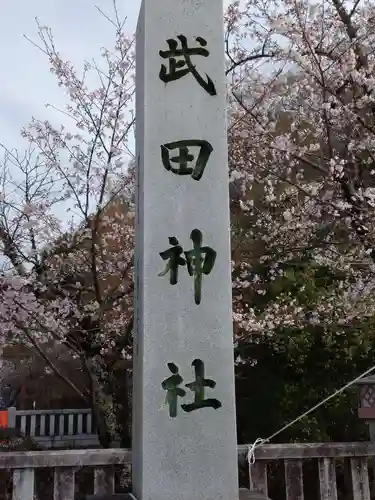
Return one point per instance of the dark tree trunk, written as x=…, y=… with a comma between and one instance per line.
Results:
x=121, y=391
x=100, y=422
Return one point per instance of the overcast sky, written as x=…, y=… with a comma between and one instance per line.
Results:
x=26, y=84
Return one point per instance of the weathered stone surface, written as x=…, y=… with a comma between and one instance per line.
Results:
x=244, y=494
x=268, y=452
x=178, y=453
x=64, y=458
x=104, y=457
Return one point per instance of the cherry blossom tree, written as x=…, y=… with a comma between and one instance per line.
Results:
x=66, y=230
x=301, y=147
x=301, y=111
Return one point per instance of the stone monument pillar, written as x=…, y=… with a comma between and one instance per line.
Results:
x=184, y=432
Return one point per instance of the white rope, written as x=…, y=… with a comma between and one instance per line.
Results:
x=251, y=450
x=259, y=441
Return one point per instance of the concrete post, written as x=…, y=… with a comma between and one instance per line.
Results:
x=12, y=412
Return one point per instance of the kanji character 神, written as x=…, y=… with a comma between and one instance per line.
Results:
x=200, y=260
